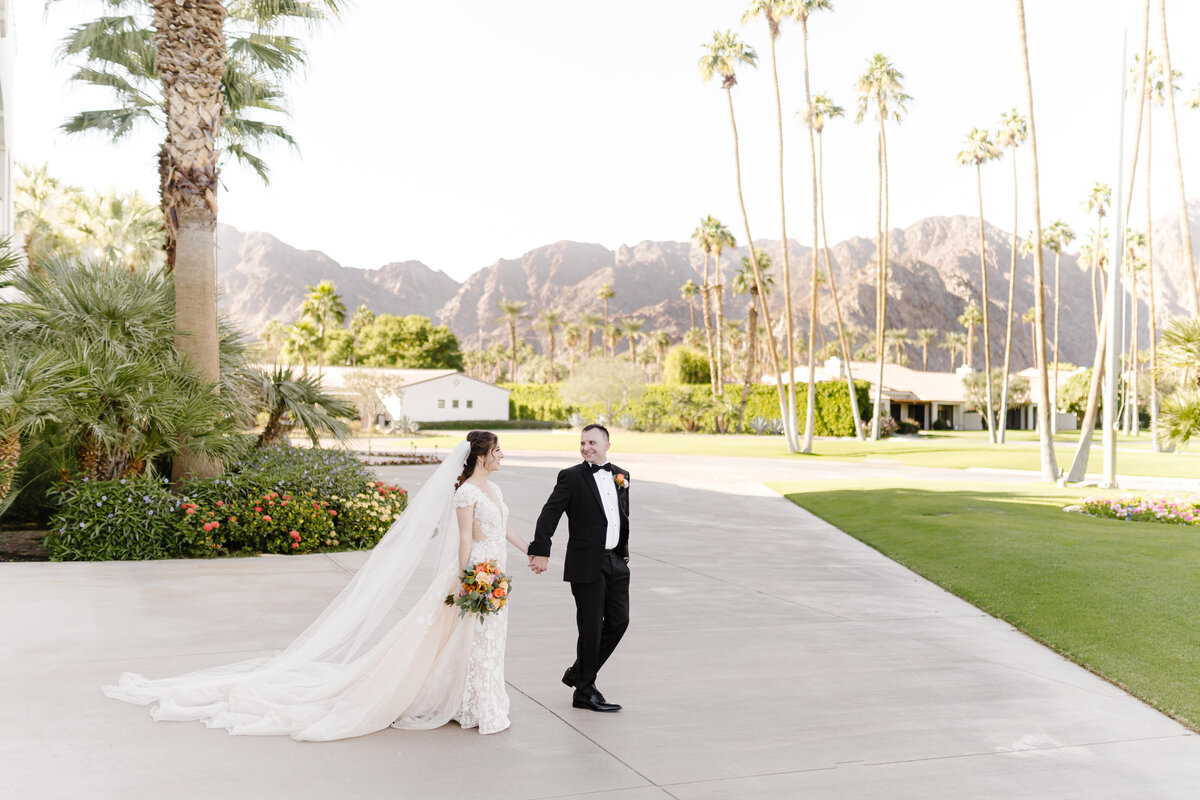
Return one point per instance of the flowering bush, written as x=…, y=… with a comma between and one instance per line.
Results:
x=268, y=523
x=365, y=516
x=123, y=520
x=1178, y=510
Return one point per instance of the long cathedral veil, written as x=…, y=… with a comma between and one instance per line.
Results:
x=344, y=676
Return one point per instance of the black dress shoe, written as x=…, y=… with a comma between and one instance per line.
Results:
x=569, y=677
x=592, y=701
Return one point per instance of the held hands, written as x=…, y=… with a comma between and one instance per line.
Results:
x=539, y=564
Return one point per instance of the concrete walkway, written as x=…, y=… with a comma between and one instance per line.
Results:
x=770, y=655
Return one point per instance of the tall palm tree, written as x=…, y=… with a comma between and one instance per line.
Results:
x=631, y=328
x=661, y=341
x=881, y=83
x=190, y=53
x=721, y=57
x=612, y=335
x=979, y=150
x=956, y=343
x=969, y=319
x=1011, y=132
x=323, y=306
x=824, y=109
x=606, y=293
x=703, y=237
x=897, y=338
x=1184, y=228
x=1155, y=96
x=1098, y=200
x=924, y=337
x=800, y=10
x=513, y=311
x=721, y=238
x=752, y=281
x=1045, y=438
x=1135, y=244
x=1059, y=236
x=549, y=320
x=688, y=293
x=591, y=323
x=773, y=11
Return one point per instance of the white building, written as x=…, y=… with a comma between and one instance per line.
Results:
x=422, y=395
x=7, y=48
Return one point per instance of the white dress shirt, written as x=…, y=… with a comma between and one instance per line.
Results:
x=608, y=500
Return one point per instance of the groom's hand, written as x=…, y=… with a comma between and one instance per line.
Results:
x=539, y=564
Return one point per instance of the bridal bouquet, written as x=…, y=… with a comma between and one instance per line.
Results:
x=483, y=589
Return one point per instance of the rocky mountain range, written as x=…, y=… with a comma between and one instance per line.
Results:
x=934, y=273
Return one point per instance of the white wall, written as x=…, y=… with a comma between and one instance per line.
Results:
x=434, y=400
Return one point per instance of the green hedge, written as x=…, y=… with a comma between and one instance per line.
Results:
x=688, y=407
x=493, y=424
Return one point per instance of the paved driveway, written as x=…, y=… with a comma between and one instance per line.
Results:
x=770, y=655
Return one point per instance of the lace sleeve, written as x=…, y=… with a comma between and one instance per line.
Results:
x=464, y=496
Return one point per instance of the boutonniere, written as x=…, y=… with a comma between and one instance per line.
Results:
x=621, y=480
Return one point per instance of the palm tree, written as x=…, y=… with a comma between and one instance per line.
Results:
x=661, y=341
x=1184, y=227
x=897, y=338
x=362, y=319
x=1011, y=132
x=925, y=337
x=606, y=293
x=44, y=211
x=824, y=109
x=1135, y=243
x=970, y=317
x=721, y=237
x=722, y=55
x=1059, y=236
x=572, y=336
x=703, y=237
x=1030, y=318
x=1045, y=439
x=121, y=230
x=324, y=306
x=979, y=150
x=688, y=292
x=513, y=311
x=631, y=328
x=290, y=400
x=881, y=83
x=549, y=320
x=591, y=323
x=1155, y=95
x=303, y=340
x=747, y=281
x=773, y=11
x=1098, y=200
x=612, y=335
x=956, y=343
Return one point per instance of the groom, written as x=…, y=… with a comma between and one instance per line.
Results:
x=595, y=497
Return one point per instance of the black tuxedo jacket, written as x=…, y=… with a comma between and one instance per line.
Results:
x=576, y=494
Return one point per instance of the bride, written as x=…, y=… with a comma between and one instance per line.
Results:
x=349, y=674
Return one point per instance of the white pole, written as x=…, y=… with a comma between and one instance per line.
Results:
x=1112, y=358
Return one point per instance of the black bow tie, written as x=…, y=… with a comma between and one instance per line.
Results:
x=594, y=467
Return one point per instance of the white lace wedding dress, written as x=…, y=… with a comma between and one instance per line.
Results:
x=349, y=673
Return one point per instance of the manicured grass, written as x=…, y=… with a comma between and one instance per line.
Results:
x=1118, y=597
x=953, y=450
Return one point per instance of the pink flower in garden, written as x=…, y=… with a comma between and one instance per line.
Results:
x=295, y=535
x=258, y=509
x=208, y=526
x=220, y=503
x=332, y=513
x=189, y=511
x=215, y=525
x=266, y=518
x=295, y=545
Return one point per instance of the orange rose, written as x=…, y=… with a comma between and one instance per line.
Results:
x=498, y=592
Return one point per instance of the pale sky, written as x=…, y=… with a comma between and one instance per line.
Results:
x=460, y=133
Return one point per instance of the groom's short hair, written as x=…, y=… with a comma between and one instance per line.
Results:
x=596, y=427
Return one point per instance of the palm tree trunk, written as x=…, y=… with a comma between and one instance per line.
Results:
x=10, y=455
x=790, y=419
x=1184, y=227
x=706, y=309
x=189, y=41
x=758, y=280
x=810, y=402
x=718, y=292
x=880, y=294
x=987, y=341
x=1057, y=305
x=837, y=308
x=751, y=354
x=1154, y=445
x=1012, y=284
x=1132, y=393
x=512, y=356
x=1045, y=439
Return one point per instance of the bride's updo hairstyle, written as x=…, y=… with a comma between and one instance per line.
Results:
x=481, y=443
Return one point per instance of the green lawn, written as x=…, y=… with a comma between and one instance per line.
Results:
x=1120, y=598
x=955, y=450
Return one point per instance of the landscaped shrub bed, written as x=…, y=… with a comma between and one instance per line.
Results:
x=285, y=500
x=1172, y=509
